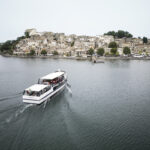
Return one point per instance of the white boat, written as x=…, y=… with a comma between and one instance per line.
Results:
x=47, y=86
x=138, y=56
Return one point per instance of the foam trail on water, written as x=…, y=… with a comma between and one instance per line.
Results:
x=69, y=89
x=68, y=85
x=9, y=119
x=23, y=109
x=11, y=96
x=17, y=113
x=45, y=104
x=26, y=106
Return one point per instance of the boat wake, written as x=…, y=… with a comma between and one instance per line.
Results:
x=11, y=96
x=69, y=88
x=45, y=104
x=18, y=112
x=23, y=109
x=9, y=119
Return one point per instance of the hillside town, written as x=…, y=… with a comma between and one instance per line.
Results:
x=77, y=46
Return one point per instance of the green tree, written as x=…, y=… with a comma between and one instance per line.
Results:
x=20, y=38
x=119, y=34
x=145, y=40
x=90, y=51
x=6, y=46
x=117, y=53
x=113, y=33
x=55, y=53
x=126, y=50
x=112, y=45
x=113, y=51
x=0, y=46
x=140, y=52
x=107, y=54
x=72, y=44
x=43, y=52
x=32, y=52
x=27, y=34
x=10, y=45
x=100, y=51
x=147, y=54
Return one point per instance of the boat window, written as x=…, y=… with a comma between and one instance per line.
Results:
x=55, y=81
x=31, y=93
x=38, y=94
x=45, y=90
x=48, y=88
x=26, y=93
x=46, y=82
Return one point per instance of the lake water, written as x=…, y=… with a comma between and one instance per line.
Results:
x=109, y=108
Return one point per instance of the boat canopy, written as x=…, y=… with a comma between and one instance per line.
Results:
x=36, y=87
x=52, y=76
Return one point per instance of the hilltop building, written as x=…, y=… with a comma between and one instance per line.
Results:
x=73, y=45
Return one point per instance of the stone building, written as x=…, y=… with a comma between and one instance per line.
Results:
x=60, y=42
x=74, y=45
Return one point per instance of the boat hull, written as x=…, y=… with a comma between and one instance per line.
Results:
x=45, y=97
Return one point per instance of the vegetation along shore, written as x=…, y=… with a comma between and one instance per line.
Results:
x=111, y=45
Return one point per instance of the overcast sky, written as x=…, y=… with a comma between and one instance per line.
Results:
x=82, y=17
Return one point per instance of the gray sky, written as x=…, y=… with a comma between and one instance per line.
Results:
x=82, y=17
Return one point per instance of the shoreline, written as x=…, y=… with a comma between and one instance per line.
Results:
x=79, y=58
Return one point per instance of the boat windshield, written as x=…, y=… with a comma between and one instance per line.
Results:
x=35, y=93
x=31, y=93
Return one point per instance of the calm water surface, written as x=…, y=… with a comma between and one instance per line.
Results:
x=109, y=108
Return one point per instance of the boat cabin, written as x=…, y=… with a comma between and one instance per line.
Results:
x=36, y=90
x=52, y=78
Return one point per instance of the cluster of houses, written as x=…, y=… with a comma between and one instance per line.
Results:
x=73, y=45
